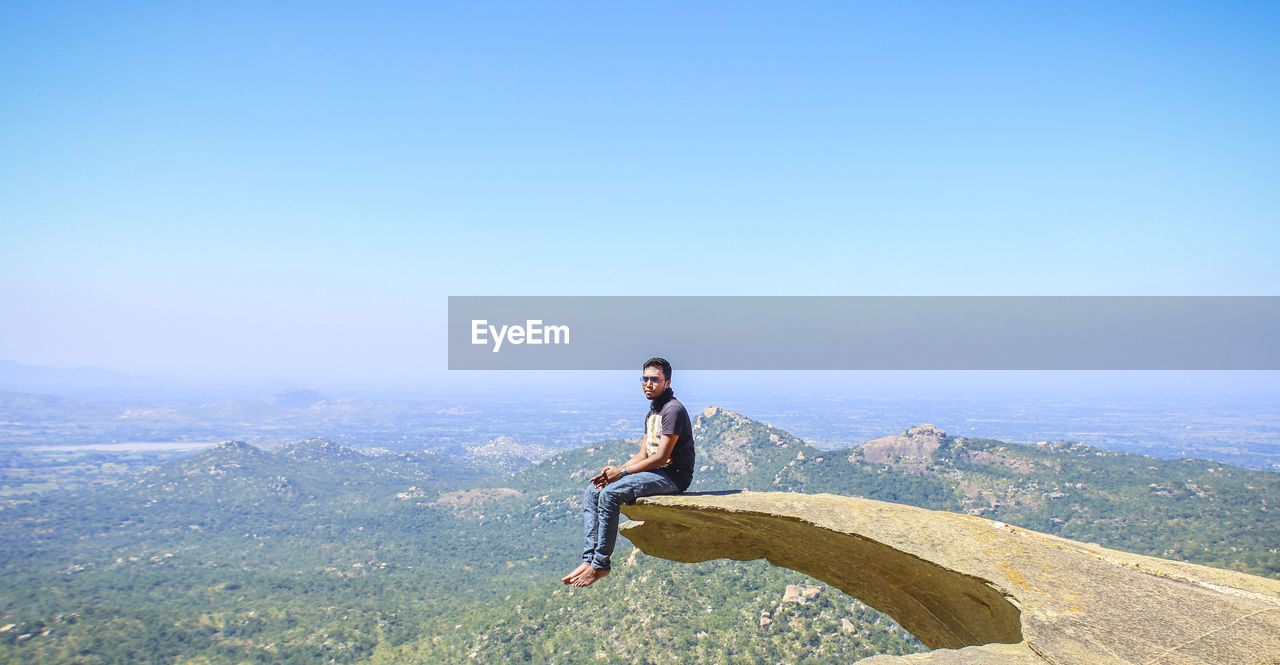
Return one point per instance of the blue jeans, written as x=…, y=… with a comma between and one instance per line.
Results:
x=600, y=511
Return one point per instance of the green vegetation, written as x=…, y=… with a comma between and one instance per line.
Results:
x=313, y=552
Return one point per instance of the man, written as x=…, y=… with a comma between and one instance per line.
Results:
x=664, y=465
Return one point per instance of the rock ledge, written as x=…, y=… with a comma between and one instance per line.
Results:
x=975, y=590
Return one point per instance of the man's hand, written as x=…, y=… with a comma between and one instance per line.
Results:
x=608, y=475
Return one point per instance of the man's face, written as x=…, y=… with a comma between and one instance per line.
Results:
x=652, y=382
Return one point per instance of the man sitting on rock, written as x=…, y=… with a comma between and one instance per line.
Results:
x=664, y=465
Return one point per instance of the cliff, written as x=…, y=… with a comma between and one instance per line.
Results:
x=976, y=590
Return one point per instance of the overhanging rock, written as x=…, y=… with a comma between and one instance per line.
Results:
x=975, y=590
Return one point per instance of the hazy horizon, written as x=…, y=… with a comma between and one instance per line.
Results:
x=1261, y=384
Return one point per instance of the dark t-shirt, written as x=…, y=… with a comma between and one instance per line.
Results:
x=667, y=416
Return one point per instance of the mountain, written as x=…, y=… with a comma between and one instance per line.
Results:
x=316, y=469
x=318, y=451
x=1193, y=510
x=304, y=544
x=40, y=378
x=918, y=443
x=737, y=611
x=298, y=398
x=504, y=452
x=317, y=551
x=34, y=407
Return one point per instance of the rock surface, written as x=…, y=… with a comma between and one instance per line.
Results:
x=800, y=593
x=979, y=591
x=919, y=442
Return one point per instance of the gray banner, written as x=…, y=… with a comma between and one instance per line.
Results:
x=855, y=332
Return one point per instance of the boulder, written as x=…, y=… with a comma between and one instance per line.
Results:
x=919, y=442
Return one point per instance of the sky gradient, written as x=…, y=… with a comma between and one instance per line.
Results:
x=234, y=191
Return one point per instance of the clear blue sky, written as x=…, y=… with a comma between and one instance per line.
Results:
x=253, y=190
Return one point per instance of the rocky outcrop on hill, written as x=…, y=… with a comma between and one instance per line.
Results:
x=801, y=593
x=507, y=452
x=975, y=590
x=917, y=443
x=735, y=449
x=317, y=451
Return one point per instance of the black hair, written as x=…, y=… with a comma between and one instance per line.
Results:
x=660, y=363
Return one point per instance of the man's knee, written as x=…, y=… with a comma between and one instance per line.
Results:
x=591, y=497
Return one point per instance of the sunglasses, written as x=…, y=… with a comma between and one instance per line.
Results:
x=650, y=379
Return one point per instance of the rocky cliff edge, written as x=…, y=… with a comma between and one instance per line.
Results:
x=975, y=590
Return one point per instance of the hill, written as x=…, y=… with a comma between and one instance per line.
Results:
x=314, y=550
x=1191, y=510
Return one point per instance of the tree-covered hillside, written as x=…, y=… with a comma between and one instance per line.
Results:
x=316, y=552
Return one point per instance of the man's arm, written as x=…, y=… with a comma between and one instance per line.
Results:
x=601, y=479
x=666, y=444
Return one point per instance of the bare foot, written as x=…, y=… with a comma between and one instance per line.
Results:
x=568, y=579
x=591, y=576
